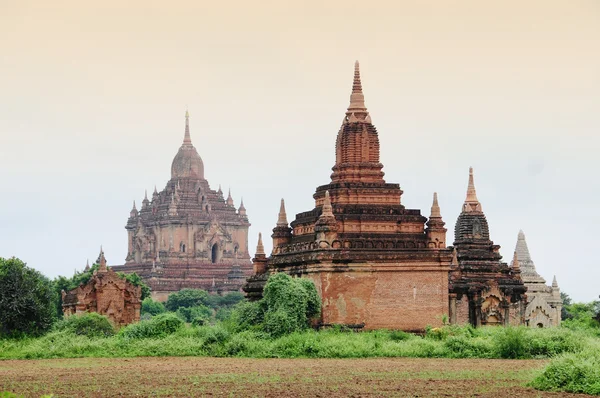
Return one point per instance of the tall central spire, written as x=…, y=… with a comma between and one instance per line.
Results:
x=187, y=140
x=357, y=111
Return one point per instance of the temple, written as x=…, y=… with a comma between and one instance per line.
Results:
x=544, y=304
x=375, y=263
x=188, y=235
x=483, y=290
x=107, y=294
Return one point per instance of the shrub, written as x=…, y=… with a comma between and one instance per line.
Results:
x=279, y=323
x=152, y=307
x=223, y=314
x=88, y=324
x=159, y=326
x=576, y=373
x=289, y=304
x=247, y=314
x=399, y=335
x=27, y=300
x=187, y=298
x=189, y=314
x=511, y=343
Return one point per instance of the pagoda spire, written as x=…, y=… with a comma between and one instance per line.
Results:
x=471, y=202
x=515, y=262
x=357, y=111
x=435, y=207
x=229, y=198
x=282, y=219
x=260, y=248
x=522, y=250
x=554, y=282
x=327, y=209
x=187, y=140
x=102, y=261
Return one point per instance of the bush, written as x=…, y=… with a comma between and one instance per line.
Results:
x=289, y=303
x=159, y=326
x=187, y=298
x=88, y=324
x=27, y=300
x=399, y=335
x=576, y=373
x=511, y=344
x=152, y=307
x=189, y=314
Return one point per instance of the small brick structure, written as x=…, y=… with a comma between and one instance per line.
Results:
x=107, y=294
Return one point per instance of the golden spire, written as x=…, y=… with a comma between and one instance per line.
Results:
x=435, y=207
x=471, y=203
x=260, y=249
x=357, y=111
x=282, y=219
x=187, y=140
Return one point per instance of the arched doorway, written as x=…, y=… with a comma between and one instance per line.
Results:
x=215, y=253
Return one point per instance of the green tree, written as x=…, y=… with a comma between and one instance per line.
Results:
x=27, y=299
x=187, y=298
x=288, y=305
x=152, y=307
x=189, y=314
x=566, y=301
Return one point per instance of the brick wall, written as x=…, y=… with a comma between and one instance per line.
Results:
x=407, y=300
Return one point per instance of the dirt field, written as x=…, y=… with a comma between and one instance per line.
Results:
x=184, y=377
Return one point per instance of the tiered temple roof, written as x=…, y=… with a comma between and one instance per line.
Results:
x=188, y=235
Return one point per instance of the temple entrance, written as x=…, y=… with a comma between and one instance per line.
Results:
x=215, y=253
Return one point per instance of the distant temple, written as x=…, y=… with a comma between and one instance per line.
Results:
x=377, y=264
x=107, y=294
x=544, y=304
x=188, y=235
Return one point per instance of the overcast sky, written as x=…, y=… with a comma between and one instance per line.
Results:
x=92, y=104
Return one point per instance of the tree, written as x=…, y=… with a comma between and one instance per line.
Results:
x=27, y=299
x=152, y=307
x=288, y=305
x=564, y=312
x=187, y=298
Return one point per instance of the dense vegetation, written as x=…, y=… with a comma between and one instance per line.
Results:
x=26, y=300
x=195, y=323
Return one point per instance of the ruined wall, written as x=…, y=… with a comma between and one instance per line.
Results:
x=407, y=300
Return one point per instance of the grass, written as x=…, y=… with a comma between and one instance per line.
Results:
x=219, y=341
x=575, y=354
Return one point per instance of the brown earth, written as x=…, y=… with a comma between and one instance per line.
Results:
x=184, y=377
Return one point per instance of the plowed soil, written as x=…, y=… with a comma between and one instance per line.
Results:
x=185, y=377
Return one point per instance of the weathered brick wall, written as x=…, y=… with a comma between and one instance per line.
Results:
x=407, y=300
x=462, y=311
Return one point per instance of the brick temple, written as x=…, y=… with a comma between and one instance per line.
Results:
x=188, y=235
x=377, y=264
x=107, y=294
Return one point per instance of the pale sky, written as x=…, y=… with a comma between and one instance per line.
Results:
x=92, y=104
